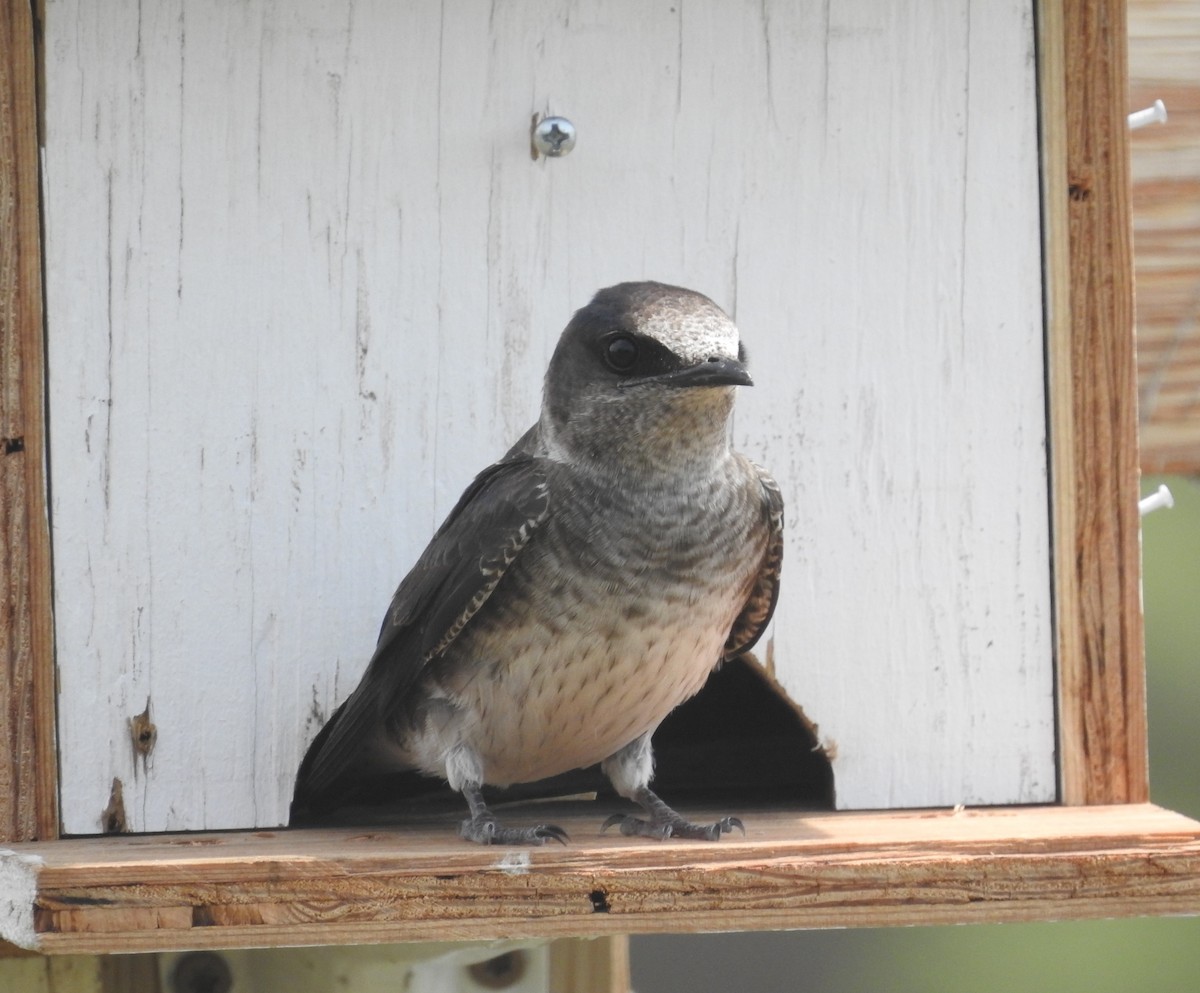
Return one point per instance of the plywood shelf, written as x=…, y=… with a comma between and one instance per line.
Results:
x=419, y=882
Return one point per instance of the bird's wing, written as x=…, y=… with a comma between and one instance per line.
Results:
x=464, y=561
x=760, y=605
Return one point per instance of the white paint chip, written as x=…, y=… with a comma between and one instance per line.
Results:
x=515, y=863
x=18, y=890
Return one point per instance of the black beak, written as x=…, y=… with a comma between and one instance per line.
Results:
x=714, y=372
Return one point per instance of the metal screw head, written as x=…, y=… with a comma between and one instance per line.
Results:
x=553, y=137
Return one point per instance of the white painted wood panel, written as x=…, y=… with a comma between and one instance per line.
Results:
x=303, y=279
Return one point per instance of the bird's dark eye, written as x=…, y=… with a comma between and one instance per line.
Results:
x=621, y=353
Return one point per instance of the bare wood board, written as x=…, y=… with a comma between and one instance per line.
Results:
x=419, y=882
x=28, y=768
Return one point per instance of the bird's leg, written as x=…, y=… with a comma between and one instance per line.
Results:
x=464, y=773
x=482, y=826
x=630, y=770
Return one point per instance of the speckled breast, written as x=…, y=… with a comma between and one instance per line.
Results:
x=608, y=620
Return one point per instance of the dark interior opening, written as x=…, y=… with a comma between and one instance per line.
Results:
x=739, y=738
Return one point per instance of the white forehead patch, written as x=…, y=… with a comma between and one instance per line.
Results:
x=690, y=325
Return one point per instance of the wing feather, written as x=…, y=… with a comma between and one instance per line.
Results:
x=492, y=522
x=760, y=605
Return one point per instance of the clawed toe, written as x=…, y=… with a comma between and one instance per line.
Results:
x=483, y=828
x=662, y=822
x=551, y=832
x=488, y=831
x=672, y=827
x=726, y=825
x=636, y=827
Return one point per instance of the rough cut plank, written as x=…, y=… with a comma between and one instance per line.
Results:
x=1164, y=51
x=791, y=870
x=1093, y=408
x=597, y=965
x=62, y=974
x=28, y=790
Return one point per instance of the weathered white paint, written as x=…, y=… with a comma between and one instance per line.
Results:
x=303, y=279
x=18, y=894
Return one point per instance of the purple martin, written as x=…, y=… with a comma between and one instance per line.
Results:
x=583, y=586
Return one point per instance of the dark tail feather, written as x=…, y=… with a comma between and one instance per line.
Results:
x=314, y=796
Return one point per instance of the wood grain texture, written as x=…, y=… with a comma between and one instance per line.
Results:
x=303, y=280
x=28, y=788
x=59, y=974
x=1164, y=51
x=1093, y=409
x=420, y=882
x=590, y=965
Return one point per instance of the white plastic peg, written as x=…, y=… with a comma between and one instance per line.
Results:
x=1151, y=115
x=1155, y=501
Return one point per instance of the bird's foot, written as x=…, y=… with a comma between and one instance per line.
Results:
x=488, y=831
x=483, y=828
x=662, y=822
x=676, y=827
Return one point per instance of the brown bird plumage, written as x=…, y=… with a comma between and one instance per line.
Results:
x=584, y=585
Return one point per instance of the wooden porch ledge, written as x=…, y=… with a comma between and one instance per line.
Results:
x=419, y=882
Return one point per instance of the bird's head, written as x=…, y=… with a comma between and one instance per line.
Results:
x=643, y=373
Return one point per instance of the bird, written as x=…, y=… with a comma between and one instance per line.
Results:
x=583, y=586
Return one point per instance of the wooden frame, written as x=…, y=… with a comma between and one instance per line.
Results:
x=28, y=765
x=1092, y=386
x=1105, y=853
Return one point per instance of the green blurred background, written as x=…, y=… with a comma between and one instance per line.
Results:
x=1159, y=954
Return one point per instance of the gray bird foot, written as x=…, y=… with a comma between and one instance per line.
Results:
x=483, y=828
x=662, y=822
x=486, y=830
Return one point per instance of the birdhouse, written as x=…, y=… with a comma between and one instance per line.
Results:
x=279, y=280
